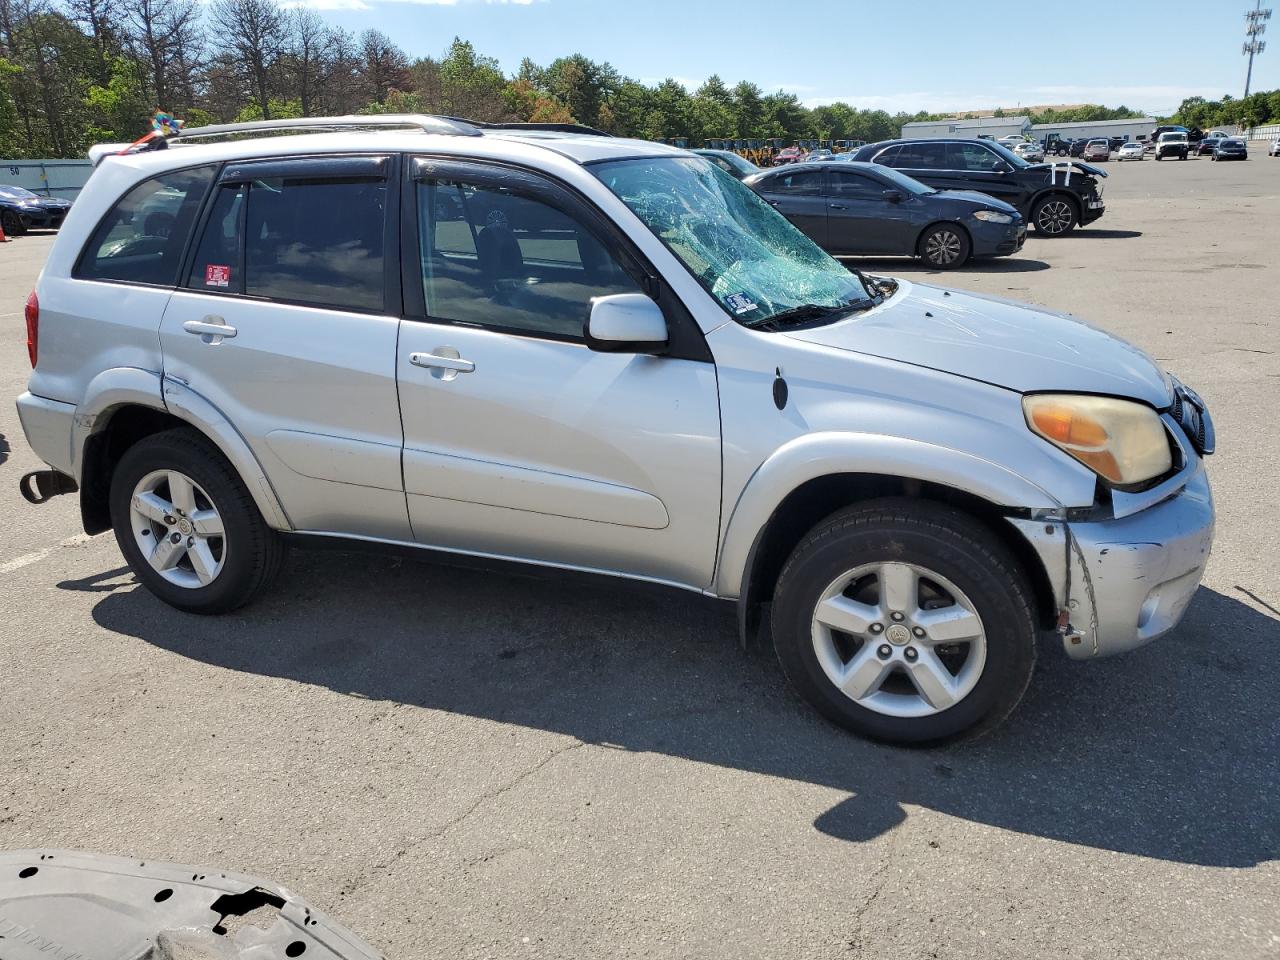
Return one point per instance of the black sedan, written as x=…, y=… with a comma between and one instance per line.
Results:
x=20, y=209
x=850, y=208
x=1230, y=148
x=731, y=163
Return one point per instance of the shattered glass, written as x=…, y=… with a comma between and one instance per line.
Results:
x=745, y=253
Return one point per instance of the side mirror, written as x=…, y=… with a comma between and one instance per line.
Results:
x=626, y=323
x=1002, y=167
x=893, y=196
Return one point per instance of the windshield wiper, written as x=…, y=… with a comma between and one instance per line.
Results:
x=807, y=312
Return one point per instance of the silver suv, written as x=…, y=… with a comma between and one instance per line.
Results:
x=605, y=355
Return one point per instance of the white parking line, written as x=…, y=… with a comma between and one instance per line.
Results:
x=17, y=563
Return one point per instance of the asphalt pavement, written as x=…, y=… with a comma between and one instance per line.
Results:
x=459, y=764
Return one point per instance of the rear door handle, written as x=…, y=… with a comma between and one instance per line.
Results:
x=435, y=361
x=211, y=329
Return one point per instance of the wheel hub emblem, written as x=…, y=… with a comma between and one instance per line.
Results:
x=898, y=635
x=184, y=526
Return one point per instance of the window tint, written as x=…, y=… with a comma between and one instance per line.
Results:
x=853, y=186
x=142, y=238
x=802, y=183
x=970, y=156
x=888, y=156
x=501, y=259
x=305, y=241
x=921, y=156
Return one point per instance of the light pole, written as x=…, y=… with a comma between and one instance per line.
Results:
x=1255, y=25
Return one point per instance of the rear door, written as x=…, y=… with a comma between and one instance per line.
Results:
x=520, y=440
x=798, y=195
x=287, y=323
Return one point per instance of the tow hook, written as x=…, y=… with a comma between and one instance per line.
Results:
x=40, y=486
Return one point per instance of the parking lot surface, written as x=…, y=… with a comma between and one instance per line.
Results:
x=460, y=764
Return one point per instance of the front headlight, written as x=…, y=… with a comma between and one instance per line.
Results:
x=1122, y=441
x=993, y=216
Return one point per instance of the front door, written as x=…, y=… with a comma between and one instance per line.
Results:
x=520, y=440
x=287, y=322
x=861, y=219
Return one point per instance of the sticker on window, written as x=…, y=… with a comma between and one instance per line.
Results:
x=739, y=303
x=217, y=275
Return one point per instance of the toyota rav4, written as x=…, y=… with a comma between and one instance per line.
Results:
x=564, y=349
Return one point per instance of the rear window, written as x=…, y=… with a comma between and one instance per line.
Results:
x=142, y=237
x=297, y=240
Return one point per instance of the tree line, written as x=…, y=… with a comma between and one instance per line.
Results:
x=1251, y=111
x=78, y=72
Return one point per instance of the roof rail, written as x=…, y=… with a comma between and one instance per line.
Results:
x=447, y=126
x=546, y=127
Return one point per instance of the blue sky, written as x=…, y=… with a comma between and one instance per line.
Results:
x=928, y=55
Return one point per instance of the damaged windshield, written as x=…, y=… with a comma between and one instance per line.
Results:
x=748, y=256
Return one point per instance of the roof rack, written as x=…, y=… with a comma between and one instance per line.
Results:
x=540, y=127
x=447, y=126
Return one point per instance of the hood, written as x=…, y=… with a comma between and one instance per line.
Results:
x=976, y=198
x=997, y=341
x=1088, y=168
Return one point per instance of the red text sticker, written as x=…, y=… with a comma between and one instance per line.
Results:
x=217, y=275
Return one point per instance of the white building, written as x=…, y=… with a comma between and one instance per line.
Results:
x=1142, y=127
x=955, y=129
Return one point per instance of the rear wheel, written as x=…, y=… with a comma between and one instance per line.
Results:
x=945, y=246
x=905, y=621
x=1054, y=216
x=188, y=526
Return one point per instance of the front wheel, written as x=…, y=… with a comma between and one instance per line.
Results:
x=944, y=246
x=905, y=621
x=188, y=526
x=13, y=223
x=1054, y=216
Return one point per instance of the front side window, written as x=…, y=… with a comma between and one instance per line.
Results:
x=972, y=157
x=748, y=256
x=296, y=240
x=498, y=258
x=853, y=186
x=142, y=238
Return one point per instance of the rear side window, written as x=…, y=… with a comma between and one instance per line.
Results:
x=142, y=238
x=803, y=183
x=296, y=240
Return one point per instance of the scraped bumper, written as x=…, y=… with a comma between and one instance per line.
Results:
x=1123, y=583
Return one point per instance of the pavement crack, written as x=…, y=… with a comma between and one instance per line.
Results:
x=363, y=878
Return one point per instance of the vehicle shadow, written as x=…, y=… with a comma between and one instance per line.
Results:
x=4, y=448
x=1168, y=752
x=1095, y=233
x=891, y=265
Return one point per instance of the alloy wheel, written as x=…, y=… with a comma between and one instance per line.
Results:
x=899, y=639
x=942, y=247
x=178, y=529
x=1054, y=216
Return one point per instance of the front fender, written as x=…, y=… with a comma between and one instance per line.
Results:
x=827, y=454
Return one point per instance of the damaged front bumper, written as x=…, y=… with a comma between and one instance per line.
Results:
x=1124, y=582
x=76, y=906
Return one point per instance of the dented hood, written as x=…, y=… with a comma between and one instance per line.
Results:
x=997, y=341
x=84, y=906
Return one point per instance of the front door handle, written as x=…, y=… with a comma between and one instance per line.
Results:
x=838, y=206
x=211, y=329
x=441, y=364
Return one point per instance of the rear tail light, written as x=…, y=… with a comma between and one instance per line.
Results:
x=32, y=314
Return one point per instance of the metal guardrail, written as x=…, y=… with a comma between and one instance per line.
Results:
x=50, y=178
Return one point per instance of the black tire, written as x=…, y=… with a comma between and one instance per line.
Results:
x=943, y=240
x=1054, y=215
x=253, y=551
x=940, y=539
x=14, y=225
